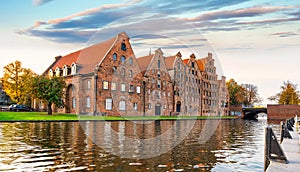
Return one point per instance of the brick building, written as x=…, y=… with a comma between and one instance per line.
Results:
x=158, y=84
x=107, y=79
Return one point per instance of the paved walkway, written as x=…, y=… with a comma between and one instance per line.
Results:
x=291, y=149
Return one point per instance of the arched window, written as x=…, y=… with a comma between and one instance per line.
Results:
x=122, y=105
x=123, y=47
x=57, y=72
x=65, y=70
x=114, y=70
x=123, y=72
x=73, y=71
x=130, y=74
x=130, y=61
x=88, y=102
x=123, y=59
x=115, y=57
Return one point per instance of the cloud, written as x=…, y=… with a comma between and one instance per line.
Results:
x=40, y=2
x=284, y=34
x=239, y=13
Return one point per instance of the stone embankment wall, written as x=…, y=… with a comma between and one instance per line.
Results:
x=283, y=111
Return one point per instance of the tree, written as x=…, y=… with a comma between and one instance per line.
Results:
x=49, y=89
x=246, y=94
x=16, y=82
x=250, y=94
x=235, y=93
x=288, y=95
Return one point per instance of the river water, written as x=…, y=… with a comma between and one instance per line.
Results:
x=182, y=145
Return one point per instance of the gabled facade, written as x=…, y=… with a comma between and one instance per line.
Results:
x=176, y=69
x=158, y=84
x=192, y=86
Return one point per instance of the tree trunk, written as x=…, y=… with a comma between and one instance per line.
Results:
x=49, y=108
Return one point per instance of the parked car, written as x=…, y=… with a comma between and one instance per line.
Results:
x=18, y=108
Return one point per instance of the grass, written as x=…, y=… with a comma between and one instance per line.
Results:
x=43, y=116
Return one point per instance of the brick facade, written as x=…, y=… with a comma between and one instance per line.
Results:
x=283, y=111
x=107, y=79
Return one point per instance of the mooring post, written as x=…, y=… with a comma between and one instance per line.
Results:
x=267, y=148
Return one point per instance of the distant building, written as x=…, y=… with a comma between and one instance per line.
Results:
x=107, y=79
x=4, y=98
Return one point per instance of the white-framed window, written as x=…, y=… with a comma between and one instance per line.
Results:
x=51, y=73
x=57, y=71
x=88, y=84
x=105, y=85
x=130, y=73
x=130, y=61
x=123, y=87
x=73, y=102
x=149, y=91
x=158, y=74
x=149, y=106
x=73, y=70
x=122, y=105
x=65, y=70
x=113, y=86
x=138, y=89
x=135, y=106
x=108, y=104
x=88, y=102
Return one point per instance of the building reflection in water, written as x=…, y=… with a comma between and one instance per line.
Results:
x=121, y=145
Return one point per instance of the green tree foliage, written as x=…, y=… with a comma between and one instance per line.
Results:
x=246, y=94
x=16, y=82
x=49, y=89
x=288, y=95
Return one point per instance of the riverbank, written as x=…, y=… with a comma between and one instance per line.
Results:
x=43, y=116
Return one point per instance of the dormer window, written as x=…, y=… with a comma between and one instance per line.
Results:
x=51, y=73
x=123, y=47
x=57, y=72
x=65, y=70
x=73, y=71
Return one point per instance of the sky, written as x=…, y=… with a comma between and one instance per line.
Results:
x=254, y=42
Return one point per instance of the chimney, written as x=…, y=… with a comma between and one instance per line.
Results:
x=57, y=58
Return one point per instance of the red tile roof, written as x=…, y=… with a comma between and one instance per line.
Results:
x=88, y=58
x=185, y=61
x=144, y=62
x=91, y=56
x=200, y=64
x=66, y=60
x=170, y=62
